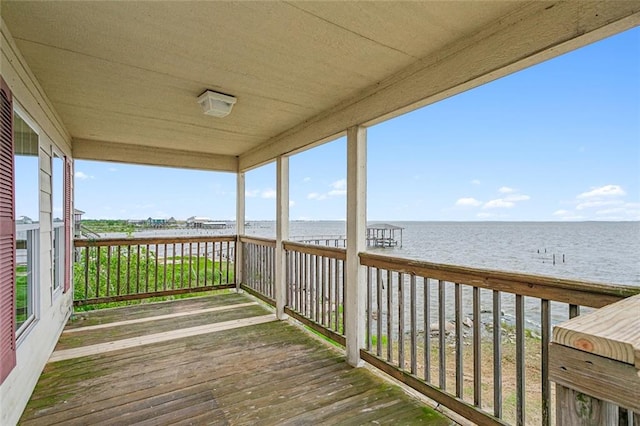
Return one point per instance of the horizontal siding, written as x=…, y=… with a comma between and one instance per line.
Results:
x=45, y=182
x=45, y=202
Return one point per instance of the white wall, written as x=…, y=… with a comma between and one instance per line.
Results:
x=52, y=309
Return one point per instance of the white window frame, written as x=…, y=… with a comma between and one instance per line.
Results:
x=27, y=325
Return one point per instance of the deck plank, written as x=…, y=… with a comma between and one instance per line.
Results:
x=269, y=374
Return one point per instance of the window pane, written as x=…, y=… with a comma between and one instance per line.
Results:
x=27, y=216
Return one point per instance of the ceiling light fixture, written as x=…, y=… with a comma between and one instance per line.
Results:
x=216, y=104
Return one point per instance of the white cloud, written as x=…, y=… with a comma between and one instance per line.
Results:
x=339, y=184
x=82, y=176
x=506, y=202
x=567, y=215
x=269, y=193
x=598, y=203
x=468, y=202
x=475, y=182
x=251, y=193
x=112, y=169
x=603, y=191
x=498, y=204
x=339, y=188
x=292, y=203
x=517, y=197
x=337, y=192
x=316, y=196
x=306, y=179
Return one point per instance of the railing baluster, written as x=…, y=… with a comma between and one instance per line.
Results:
x=206, y=262
x=442, y=373
x=147, y=254
x=298, y=281
x=379, y=318
x=138, y=268
x=459, y=361
x=182, y=265
x=401, y=320
x=287, y=261
x=330, y=280
x=369, y=313
x=128, y=269
x=226, y=263
x=343, y=283
x=324, y=290
x=497, y=354
x=574, y=311
x=477, y=349
x=427, y=329
x=164, y=274
x=545, y=321
x=117, y=270
x=389, y=317
x=190, y=263
x=98, y=271
x=520, y=365
x=198, y=264
x=155, y=285
x=86, y=272
x=108, y=270
x=316, y=273
x=414, y=333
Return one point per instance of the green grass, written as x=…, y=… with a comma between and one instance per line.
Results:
x=22, y=294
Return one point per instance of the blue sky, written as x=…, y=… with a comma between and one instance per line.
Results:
x=558, y=141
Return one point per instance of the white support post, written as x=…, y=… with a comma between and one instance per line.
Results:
x=240, y=204
x=355, y=291
x=282, y=233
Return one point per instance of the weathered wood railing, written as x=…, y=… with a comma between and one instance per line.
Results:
x=409, y=303
x=315, y=287
x=258, y=270
x=110, y=270
x=595, y=363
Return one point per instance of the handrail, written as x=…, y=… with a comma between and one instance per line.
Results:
x=595, y=295
x=333, y=252
x=150, y=240
x=261, y=241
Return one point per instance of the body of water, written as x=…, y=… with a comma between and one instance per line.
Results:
x=605, y=252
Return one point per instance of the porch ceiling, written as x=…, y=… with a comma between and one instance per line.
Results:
x=124, y=76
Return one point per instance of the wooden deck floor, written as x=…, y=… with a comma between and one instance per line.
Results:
x=220, y=360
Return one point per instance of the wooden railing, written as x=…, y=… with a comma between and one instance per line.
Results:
x=258, y=270
x=475, y=341
x=315, y=287
x=595, y=362
x=110, y=270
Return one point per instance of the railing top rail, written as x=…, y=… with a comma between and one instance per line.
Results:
x=258, y=240
x=332, y=252
x=583, y=293
x=151, y=240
